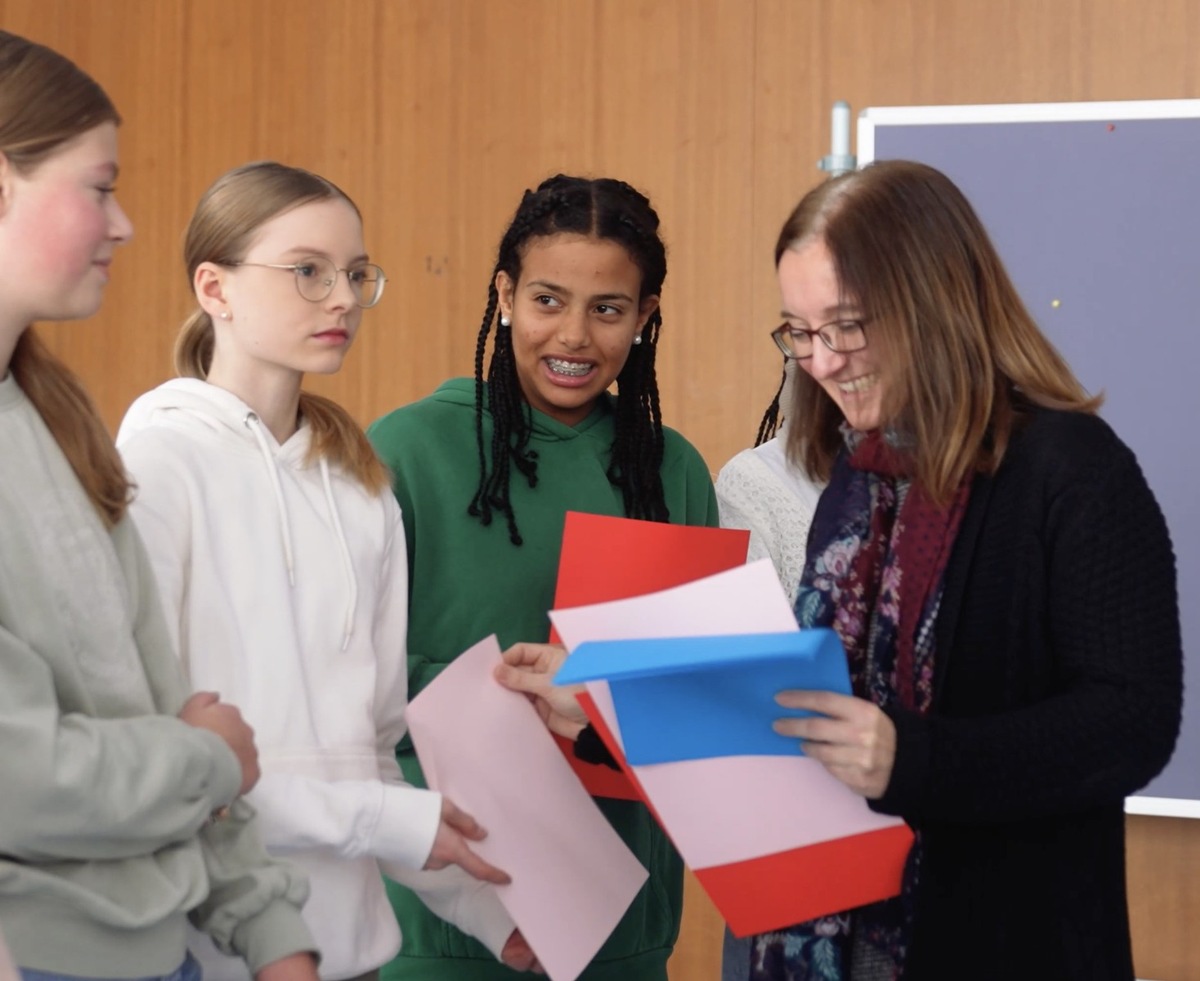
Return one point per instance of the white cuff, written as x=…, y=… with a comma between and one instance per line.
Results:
x=408, y=824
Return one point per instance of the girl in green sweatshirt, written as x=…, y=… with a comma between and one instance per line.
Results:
x=485, y=471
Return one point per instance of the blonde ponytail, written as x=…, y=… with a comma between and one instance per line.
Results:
x=335, y=434
x=194, y=346
x=338, y=438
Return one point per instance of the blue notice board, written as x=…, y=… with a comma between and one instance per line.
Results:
x=1095, y=209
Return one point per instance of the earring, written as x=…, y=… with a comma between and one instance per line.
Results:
x=224, y=314
x=637, y=339
x=504, y=321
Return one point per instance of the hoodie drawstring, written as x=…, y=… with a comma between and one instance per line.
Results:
x=347, y=564
x=255, y=426
x=285, y=531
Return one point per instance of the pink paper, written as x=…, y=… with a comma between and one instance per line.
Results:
x=726, y=809
x=487, y=750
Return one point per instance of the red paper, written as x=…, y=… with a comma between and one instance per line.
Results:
x=605, y=558
x=774, y=891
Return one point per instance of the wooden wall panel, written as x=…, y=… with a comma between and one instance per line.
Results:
x=1163, y=875
x=435, y=115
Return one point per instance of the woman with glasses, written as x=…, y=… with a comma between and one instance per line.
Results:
x=1002, y=580
x=281, y=559
x=486, y=467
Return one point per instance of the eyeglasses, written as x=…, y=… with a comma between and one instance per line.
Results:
x=316, y=277
x=841, y=337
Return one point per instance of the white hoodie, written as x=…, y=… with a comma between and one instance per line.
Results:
x=287, y=588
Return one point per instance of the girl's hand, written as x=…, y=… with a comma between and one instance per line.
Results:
x=450, y=846
x=528, y=668
x=518, y=955
x=294, y=967
x=205, y=710
x=852, y=737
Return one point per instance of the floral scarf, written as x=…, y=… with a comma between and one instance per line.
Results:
x=877, y=556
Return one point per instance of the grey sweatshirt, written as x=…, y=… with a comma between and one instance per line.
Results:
x=106, y=846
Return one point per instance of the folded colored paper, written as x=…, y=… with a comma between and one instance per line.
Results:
x=606, y=558
x=774, y=840
x=686, y=698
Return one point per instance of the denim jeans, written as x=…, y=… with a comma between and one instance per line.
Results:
x=189, y=970
x=735, y=957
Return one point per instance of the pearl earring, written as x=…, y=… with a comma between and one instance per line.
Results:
x=224, y=314
x=637, y=339
x=504, y=321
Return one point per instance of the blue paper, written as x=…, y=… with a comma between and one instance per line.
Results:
x=688, y=698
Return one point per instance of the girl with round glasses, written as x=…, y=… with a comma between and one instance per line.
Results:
x=281, y=558
x=1003, y=582
x=317, y=277
x=121, y=818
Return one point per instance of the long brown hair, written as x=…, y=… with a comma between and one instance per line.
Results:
x=229, y=214
x=45, y=100
x=959, y=350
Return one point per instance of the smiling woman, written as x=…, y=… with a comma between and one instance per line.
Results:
x=839, y=358
x=1002, y=579
x=574, y=301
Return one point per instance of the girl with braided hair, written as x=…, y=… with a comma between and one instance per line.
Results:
x=485, y=470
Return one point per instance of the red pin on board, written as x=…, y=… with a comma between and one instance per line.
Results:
x=1111, y=127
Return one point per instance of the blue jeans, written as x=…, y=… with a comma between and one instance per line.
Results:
x=189, y=970
x=735, y=957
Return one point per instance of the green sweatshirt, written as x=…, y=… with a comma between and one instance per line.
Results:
x=105, y=840
x=467, y=581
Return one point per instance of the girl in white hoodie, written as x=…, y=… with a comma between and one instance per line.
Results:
x=281, y=558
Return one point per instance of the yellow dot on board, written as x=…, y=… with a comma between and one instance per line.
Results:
x=1056, y=304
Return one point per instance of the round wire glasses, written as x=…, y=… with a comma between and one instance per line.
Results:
x=316, y=276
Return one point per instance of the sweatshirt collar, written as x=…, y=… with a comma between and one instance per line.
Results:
x=461, y=391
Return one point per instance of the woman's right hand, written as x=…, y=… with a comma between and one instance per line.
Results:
x=205, y=710
x=450, y=845
x=529, y=668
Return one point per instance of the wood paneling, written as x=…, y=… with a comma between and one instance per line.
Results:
x=435, y=115
x=1163, y=873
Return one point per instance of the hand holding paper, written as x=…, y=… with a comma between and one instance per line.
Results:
x=572, y=877
x=450, y=845
x=518, y=955
x=607, y=558
x=852, y=737
x=530, y=669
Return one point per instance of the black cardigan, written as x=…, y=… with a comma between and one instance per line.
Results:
x=1058, y=691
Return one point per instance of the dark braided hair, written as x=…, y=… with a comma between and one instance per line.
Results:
x=609, y=210
x=770, y=420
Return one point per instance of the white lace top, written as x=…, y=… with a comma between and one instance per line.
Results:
x=761, y=491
